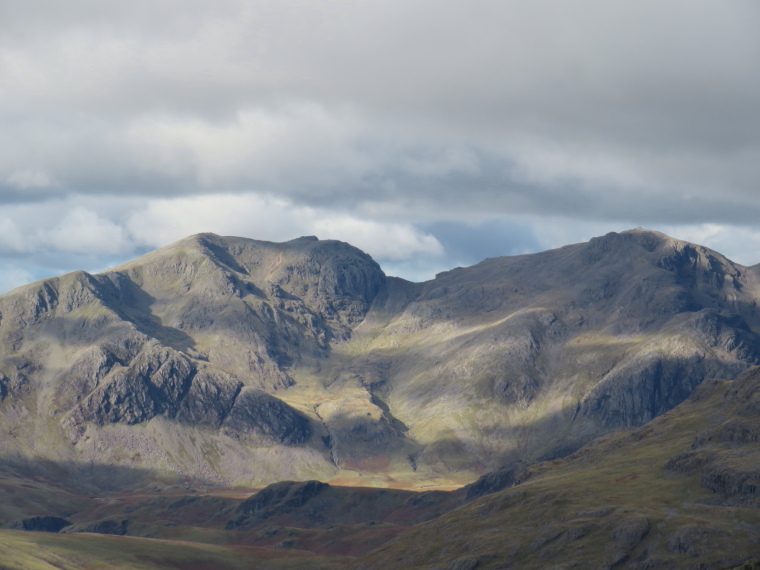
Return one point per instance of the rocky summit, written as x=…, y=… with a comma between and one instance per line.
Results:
x=233, y=403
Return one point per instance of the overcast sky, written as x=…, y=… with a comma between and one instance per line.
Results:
x=430, y=133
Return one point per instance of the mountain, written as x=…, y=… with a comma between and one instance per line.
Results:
x=683, y=491
x=241, y=362
x=235, y=403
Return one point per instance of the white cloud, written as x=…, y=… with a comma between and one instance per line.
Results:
x=12, y=277
x=83, y=231
x=387, y=241
x=264, y=217
x=12, y=239
x=295, y=144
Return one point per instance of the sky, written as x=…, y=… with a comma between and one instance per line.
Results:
x=430, y=134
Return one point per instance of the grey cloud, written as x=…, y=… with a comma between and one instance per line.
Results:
x=471, y=243
x=443, y=115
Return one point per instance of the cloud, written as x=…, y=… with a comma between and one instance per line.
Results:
x=62, y=226
x=12, y=277
x=264, y=217
x=385, y=241
x=29, y=179
x=256, y=148
x=425, y=132
x=84, y=231
x=330, y=101
x=12, y=239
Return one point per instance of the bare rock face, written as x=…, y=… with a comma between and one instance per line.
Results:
x=694, y=541
x=256, y=413
x=731, y=481
x=495, y=481
x=202, y=334
x=40, y=524
x=153, y=383
x=209, y=399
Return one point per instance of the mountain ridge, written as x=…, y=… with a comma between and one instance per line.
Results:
x=240, y=351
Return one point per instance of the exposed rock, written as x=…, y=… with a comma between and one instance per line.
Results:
x=494, y=481
x=153, y=383
x=731, y=480
x=464, y=564
x=108, y=526
x=735, y=431
x=630, y=531
x=687, y=463
x=83, y=377
x=209, y=400
x=642, y=389
x=257, y=414
x=275, y=499
x=217, y=333
x=694, y=540
x=40, y=524
x=596, y=513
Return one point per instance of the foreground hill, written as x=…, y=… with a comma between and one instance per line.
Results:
x=683, y=491
x=241, y=362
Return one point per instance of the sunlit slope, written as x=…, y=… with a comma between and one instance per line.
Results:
x=169, y=362
x=530, y=356
x=43, y=551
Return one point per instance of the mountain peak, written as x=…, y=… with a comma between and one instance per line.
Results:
x=606, y=334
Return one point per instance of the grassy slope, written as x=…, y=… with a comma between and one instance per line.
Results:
x=611, y=503
x=42, y=551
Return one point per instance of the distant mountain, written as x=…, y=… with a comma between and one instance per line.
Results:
x=234, y=361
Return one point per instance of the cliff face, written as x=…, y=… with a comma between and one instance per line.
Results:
x=235, y=360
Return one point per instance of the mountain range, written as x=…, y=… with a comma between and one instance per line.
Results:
x=598, y=400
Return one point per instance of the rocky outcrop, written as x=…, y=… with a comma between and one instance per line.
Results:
x=313, y=504
x=256, y=414
x=635, y=392
x=277, y=499
x=732, y=481
x=694, y=541
x=209, y=400
x=495, y=481
x=646, y=384
x=153, y=383
x=39, y=524
x=107, y=526
x=688, y=463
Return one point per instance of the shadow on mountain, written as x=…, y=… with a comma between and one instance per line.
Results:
x=89, y=477
x=136, y=306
